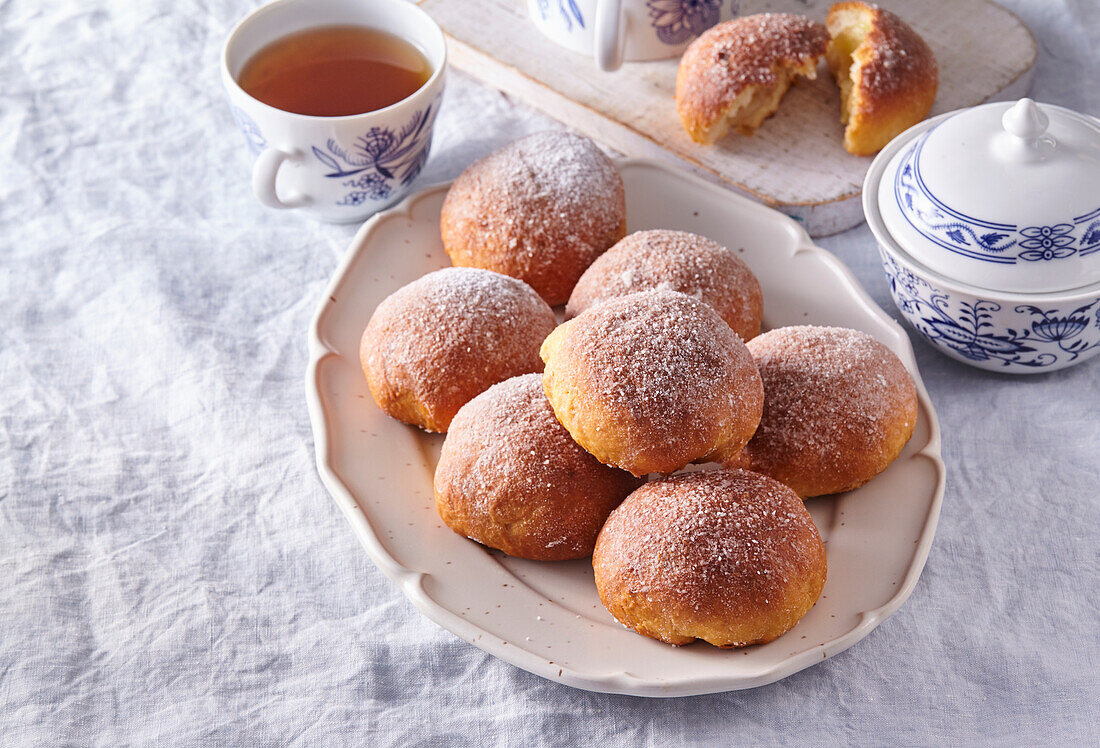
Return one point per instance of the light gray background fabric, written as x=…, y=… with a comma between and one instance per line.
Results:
x=172, y=570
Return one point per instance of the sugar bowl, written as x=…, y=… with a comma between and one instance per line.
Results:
x=988, y=225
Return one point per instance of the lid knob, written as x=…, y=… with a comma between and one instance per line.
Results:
x=1025, y=120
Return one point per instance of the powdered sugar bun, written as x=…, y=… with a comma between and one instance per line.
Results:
x=886, y=72
x=441, y=340
x=735, y=74
x=652, y=381
x=839, y=407
x=728, y=556
x=540, y=209
x=512, y=478
x=674, y=261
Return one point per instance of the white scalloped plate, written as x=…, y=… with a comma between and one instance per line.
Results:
x=546, y=617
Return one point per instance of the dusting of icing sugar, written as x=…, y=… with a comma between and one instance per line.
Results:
x=511, y=476
x=543, y=206
x=673, y=378
x=893, y=58
x=745, y=52
x=674, y=261
x=726, y=542
x=450, y=334
x=825, y=387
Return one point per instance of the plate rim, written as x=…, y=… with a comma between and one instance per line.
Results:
x=410, y=582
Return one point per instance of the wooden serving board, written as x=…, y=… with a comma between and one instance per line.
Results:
x=796, y=161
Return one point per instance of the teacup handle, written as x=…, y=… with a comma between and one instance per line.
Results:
x=609, y=34
x=264, y=172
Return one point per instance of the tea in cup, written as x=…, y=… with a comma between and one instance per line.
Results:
x=337, y=100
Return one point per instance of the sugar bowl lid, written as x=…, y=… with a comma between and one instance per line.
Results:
x=1004, y=196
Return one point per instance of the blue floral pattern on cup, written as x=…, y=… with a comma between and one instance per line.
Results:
x=379, y=159
x=1001, y=243
x=677, y=21
x=252, y=135
x=968, y=328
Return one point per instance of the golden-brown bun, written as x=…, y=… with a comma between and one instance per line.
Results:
x=652, y=381
x=674, y=261
x=511, y=478
x=540, y=209
x=436, y=343
x=838, y=408
x=729, y=556
x=735, y=74
x=886, y=73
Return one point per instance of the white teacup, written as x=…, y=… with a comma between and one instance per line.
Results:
x=617, y=30
x=337, y=169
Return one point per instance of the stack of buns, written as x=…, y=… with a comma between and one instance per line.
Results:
x=660, y=364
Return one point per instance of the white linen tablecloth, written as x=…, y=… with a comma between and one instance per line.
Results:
x=172, y=570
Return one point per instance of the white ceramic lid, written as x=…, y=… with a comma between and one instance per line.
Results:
x=1004, y=196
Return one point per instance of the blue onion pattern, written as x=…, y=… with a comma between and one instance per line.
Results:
x=967, y=328
x=1001, y=243
x=1047, y=242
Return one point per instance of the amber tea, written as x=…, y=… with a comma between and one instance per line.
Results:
x=332, y=71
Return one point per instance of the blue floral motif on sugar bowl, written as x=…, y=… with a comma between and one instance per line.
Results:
x=1001, y=243
x=995, y=334
x=379, y=159
x=988, y=223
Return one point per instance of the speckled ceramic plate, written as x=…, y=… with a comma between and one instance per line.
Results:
x=546, y=617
